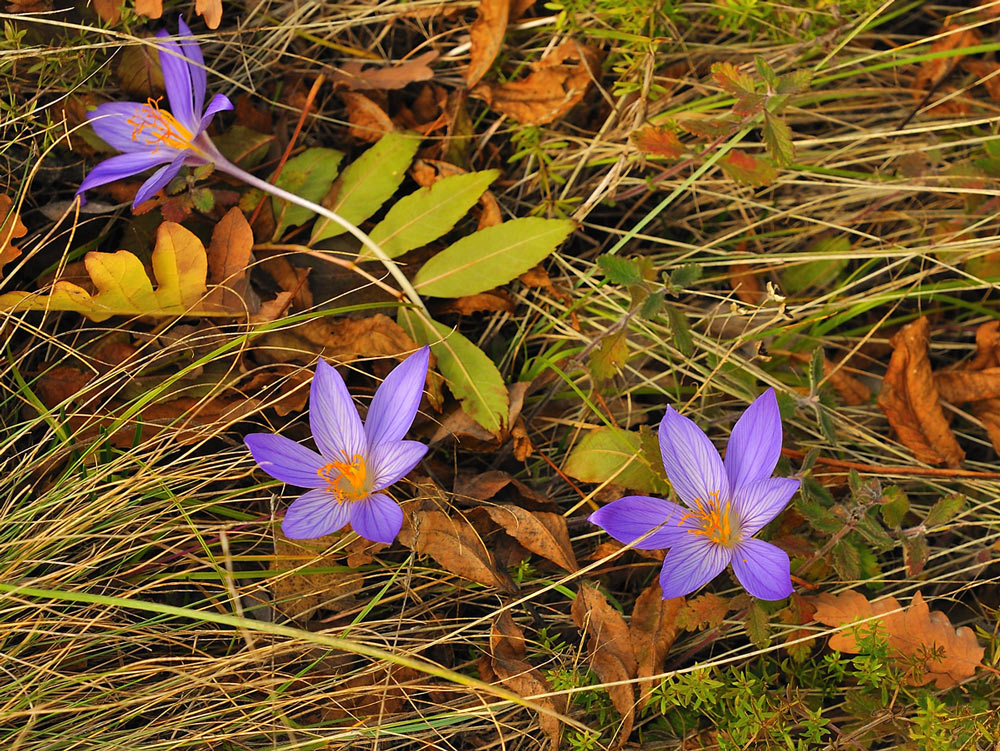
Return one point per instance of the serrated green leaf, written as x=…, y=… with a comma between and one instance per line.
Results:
x=491, y=257
x=732, y=79
x=872, y=531
x=766, y=72
x=426, y=214
x=612, y=454
x=915, y=553
x=778, y=139
x=684, y=276
x=894, y=506
x=749, y=169
x=308, y=175
x=471, y=375
x=793, y=83
x=945, y=510
x=368, y=182
x=846, y=560
x=819, y=518
x=680, y=330
x=609, y=357
x=620, y=270
x=758, y=625
x=651, y=306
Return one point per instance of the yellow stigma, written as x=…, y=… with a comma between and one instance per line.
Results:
x=153, y=126
x=718, y=522
x=347, y=480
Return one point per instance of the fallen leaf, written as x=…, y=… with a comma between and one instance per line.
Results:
x=910, y=400
x=455, y=545
x=611, y=654
x=369, y=122
x=229, y=254
x=706, y=611
x=851, y=390
x=485, y=37
x=746, y=284
x=652, y=629
x=501, y=486
x=507, y=662
x=931, y=72
x=747, y=168
x=550, y=91
x=11, y=228
x=340, y=339
x=925, y=643
x=541, y=532
x=361, y=77
x=299, y=595
x=987, y=73
x=109, y=11
x=491, y=301
x=149, y=8
x=210, y=10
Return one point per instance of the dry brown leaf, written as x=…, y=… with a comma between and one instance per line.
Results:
x=486, y=36
x=300, y=595
x=210, y=10
x=909, y=399
x=294, y=388
x=149, y=8
x=109, y=10
x=507, y=663
x=11, y=228
x=851, y=390
x=291, y=279
x=229, y=255
x=746, y=284
x=491, y=301
x=542, y=533
x=455, y=545
x=705, y=611
x=611, y=653
x=931, y=72
x=369, y=122
x=928, y=647
x=550, y=91
x=963, y=386
x=510, y=490
x=652, y=628
x=341, y=339
x=366, y=77
x=658, y=141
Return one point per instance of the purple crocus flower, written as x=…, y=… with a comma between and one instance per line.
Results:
x=728, y=502
x=149, y=136
x=355, y=460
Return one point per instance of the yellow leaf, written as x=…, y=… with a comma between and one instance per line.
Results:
x=180, y=267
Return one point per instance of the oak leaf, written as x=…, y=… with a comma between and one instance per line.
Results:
x=149, y=8
x=652, y=628
x=931, y=72
x=706, y=611
x=924, y=642
x=369, y=122
x=486, y=36
x=229, y=254
x=542, y=533
x=910, y=399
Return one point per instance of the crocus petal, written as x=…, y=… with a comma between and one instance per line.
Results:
x=159, y=179
x=763, y=569
x=690, y=564
x=390, y=461
x=219, y=103
x=629, y=518
x=692, y=463
x=286, y=460
x=759, y=502
x=110, y=121
x=377, y=518
x=196, y=65
x=755, y=443
x=177, y=79
x=314, y=514
x=333, y=417
x=396, y=400
x=122, y=166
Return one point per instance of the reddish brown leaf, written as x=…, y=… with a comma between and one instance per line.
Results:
x=746, y=284
x=361, y=77
x=749, y=169
x=653, y=628
x=909, y=399
x=928, y=647
x=931, y=72
x=11, y=228
x=109, y=10
x=704, y=611
x=491, y=301
x=149, y=8
x=851, y=390
x=962, y=386
x=658, y=141
x=369, y=122
x=486, y=36
x=229, y=263
x=540, y=532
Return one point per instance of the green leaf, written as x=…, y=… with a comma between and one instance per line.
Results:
x=793, y=83
x=243, y=147
x=819, y=518
x=308, y=175
x=470, y=374
x=778, y=139
x=757, y=625
x=684, y=276
x=846, y=559
x=869, y=528
x=680, y=330
x=915, y=553
x=620, y=270
x=612, y=454
x=749, y=104
x=731, y=79
x=368, y=182
x=894, y=506
x=766, y=72
x=746, y=168
x=796, y=279
x=609, y=357
x=490, y=257
x=426, y=214
x=945, y=510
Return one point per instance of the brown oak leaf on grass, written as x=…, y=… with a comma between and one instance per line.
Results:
x=369, y=122
x=924, y=643
x=978, y=382
x=910, y=399
x=541, y=532
x=11, y=228
x=652, y=628
x=612, y=655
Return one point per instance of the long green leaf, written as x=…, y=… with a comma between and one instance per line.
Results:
x=308, y=175
x=368, y=182
x=490, y=257
x=470, y=374
x=612, y=454
x=426, y=214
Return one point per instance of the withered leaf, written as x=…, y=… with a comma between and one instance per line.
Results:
x=851, y=390
x=909, y=399
x=369, y=122
x=11, y=228
x=360, y=77
x=705, y=611
x=486, y=36
x=210, y=10
x=925, y=643
x=341, y=339
x=652, y=628
x=455, y=545
x=611, y=654
x=658, y=141
x=550, y=91
x=299, y=595
x=542, y=533
x=229, y=263
x=932, y=71
x=149, y=8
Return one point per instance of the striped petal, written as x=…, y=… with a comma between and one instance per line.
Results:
x=377, y=518
x=314, y=514
x=629, y=518
x=759, y=502
x=690, y=564
x=219, y=103
x=286, y=460
x=158, y=180
x=110, y=121
x=763, y=569
x=755, y=443
x=195, y=63
x=333, y=417
x=177, y=79
x=396, y=400
x=692, y=463
x=122, y=166
x=391, y=461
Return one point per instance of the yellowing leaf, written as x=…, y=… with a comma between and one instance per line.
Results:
x=123, y=288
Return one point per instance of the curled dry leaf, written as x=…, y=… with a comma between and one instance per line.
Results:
x=542, y=533
x=652, y=628
x=746, y=284
x=910, y=401
x=369, y=122
x=551, y=90
x=486, y=36
x=11, y=228
x=611, y=654
x=707, y=611
x=508, y=664
x=925, y=643
x=360, y=77
x=455, y=545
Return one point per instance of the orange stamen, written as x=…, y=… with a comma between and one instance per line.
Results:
x=717, y=523
x=153, y=126
x=347, y=480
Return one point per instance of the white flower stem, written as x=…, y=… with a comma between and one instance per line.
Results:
x=223, y=165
